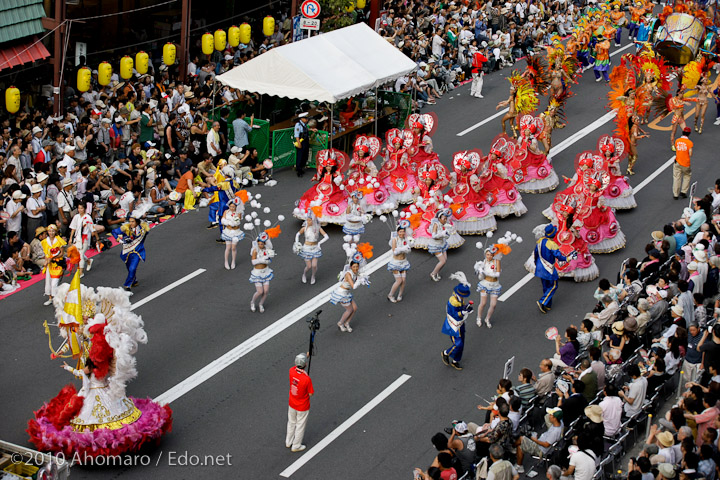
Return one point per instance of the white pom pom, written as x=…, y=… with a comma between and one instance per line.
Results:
x=248, y=226
x=257, y=221
x=266, y=210
x=258, y=196
x=402, y=214
x=259, y=205
x=342, y=187
x=351, y=182
x=376, y=185
x=448, y=198
x=503, y=241
x=245, y=181
x=267, y=223
x=361, y=181
x=489, y=234
x=507, y=234
x=395, y=213
x=518, y=239
x=383, y=218
x=347, y=238
x=513, y=236
x=248, y=218
x=281, y=218
x=254, y=214
x=479, y=245
x=413, y=209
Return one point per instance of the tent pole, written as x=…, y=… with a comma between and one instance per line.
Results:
x=332, y=125
x=376, y=111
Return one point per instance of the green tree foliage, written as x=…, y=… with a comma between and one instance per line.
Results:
x=334, y=14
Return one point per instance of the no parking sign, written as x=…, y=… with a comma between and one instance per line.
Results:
x=310, y=9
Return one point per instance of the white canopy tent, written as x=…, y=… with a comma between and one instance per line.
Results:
x=325, y=68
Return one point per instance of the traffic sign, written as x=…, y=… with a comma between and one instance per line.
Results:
x=310, y=24
x=310, y=9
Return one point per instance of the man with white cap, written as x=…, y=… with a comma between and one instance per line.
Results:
x=301, y=389
x=15, y=208
x=37, y=140
x=66, y=204
x=35, y=209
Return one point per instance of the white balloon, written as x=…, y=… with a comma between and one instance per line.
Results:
x=281, y=218
x=519, y=240
x=267, y=223
x=254, y=214
x=258, y=196
x=489, y=234
x=248, y=218
x=479, y=245
x=513, y=236
x=266, y=210
x=257, y=221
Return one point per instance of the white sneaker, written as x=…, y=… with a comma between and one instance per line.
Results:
x=479, y=323
x=520, y=469
x=717, y=121
x=298, y=449
x=261, y=308
x=312, y=281
x=252, y=307
x=89, y=264
x=487, y=322
x=48, y=302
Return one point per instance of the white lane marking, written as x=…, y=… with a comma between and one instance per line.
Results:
x=344, y=426
x=516, y=287
x=162, y=291
x=581, y=133
x=480, y=124
x=653, y=175
x=220, y=364
x=504, y=111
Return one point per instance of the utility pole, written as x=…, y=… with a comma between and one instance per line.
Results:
x=58, y=51
x=185, y=39
x=374, y=12
x=293, y=10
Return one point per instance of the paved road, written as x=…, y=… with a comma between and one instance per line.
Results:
x=241, y=410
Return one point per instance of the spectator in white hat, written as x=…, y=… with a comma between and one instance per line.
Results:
x=37, y=139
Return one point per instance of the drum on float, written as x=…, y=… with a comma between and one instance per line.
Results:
x=680, y=38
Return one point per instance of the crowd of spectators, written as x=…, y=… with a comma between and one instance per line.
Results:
x=652, y=331
x=442, y=37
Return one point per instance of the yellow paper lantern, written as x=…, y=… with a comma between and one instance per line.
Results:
x=360, y=4
x=234, y=36
x=245, y=31
x=268, y=26
x=12, y=100
x=83, y=79
x=169, y=54
x=220, y=40
x=104, y=73
x=126, y=67
x=142, y=61
x=208, y=43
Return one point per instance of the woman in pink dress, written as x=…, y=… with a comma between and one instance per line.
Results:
x=329, y=193
x=363, y=176
x=531, y=169
x=618, y=194
x=471, y=214
x=580, y=264
x=422, y=126
x=583, y=162
x=496, y=189
x=599, y=227
x=397, y=174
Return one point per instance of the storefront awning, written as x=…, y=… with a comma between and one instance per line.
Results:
x=22, y=53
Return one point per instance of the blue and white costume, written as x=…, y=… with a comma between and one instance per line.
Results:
x=402, y=248
x=263, y=257
x=545, y=254
x=457, y=311
x=439, y=235
x=354, y=224
x=489, y=274
x=231, y=231
x=343, y=292
x=311, y=248
x=133, y=250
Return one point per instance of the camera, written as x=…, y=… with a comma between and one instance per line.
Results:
x=314, y=321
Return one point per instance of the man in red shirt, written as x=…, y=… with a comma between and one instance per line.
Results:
x=477, y=72
x=301, y=389
x=681, y=169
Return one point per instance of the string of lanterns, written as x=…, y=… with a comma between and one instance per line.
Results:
x=210, y=43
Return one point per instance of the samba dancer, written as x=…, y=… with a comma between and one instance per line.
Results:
x=350, y=279
x=400, y=245
x=261, y=254
x=231, y=232
x=310, y=250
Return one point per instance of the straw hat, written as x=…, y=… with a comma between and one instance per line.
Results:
x=594, y=413
x=666, y=439
x=618, y=328
x=657, y=235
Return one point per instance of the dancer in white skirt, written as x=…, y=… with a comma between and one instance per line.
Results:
x=310, y=250
x=82, y=229
x=354, y=217
x=350, y=279
x=262, y=254
x=401, y=244
x=440, y=230
x=232, y=233
x=488, y=271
